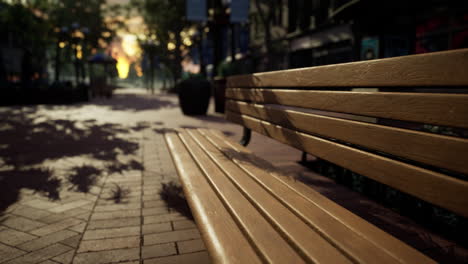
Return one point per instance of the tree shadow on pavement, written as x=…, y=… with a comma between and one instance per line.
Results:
x=225, y=132
x=174, y=197
x=119, y=193
x=40, y=180
x=83, y=177
x=29, y=141
x=210, y=118
x=134, y=102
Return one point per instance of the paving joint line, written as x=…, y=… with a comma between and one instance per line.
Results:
x=142, y=149
x=15, y=247
x=17, y=230
x=89, y=218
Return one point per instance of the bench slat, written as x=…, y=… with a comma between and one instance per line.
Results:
x=447, y=68
x=437, y=150
x=326, y=216
x=210, y=214
x=265, y=238
x=436, y=188
x=298, y=233
x=428, y=108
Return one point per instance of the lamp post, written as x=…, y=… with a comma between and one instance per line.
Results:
x=85, y=31
x=61, y=35
x=76, y=36
x=150, y=46
x=218, y=18
x=199, y=39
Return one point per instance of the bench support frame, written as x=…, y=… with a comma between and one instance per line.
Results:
x=247, y=134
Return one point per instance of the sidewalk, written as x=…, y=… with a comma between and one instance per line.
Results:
x=82, y=184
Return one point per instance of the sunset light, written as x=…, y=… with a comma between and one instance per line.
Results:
x=130, y=45
x=123, y=67
x=125, y=50
x=125, y=128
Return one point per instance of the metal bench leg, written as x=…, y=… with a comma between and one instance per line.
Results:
x=246, y=137
x=304, y=157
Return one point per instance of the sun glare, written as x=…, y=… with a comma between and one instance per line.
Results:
x=123, y=67
x=126, y=52
x=130, y=45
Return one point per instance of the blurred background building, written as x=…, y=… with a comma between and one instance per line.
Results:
x=307, y=33
x=46, y=44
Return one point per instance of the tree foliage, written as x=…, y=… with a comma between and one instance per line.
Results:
x=40, y=19
x=28, y=29
x=165, y=19
x=267, y=12
x=85, y=13
x=37, y=26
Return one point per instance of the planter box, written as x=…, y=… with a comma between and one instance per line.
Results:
x=194, y=96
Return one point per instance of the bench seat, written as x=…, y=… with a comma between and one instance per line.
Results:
x=248, y=211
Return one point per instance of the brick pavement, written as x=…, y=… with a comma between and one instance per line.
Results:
x=94, y=228
x=109, y=208
x=63, y=208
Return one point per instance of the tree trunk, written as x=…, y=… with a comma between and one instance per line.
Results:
x=266, y=21
x=178, y=57
x=57, y=62
x=151, y=82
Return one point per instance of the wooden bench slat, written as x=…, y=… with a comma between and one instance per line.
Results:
x=268, y=175
x=264, y=237
x=436, y=188
x=428, y=108
x=355, y=245
x=221, y=234
x=447, y=68
x=298, y=233
x=437, y=150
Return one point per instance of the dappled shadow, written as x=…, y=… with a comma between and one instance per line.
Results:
x=23, y=137
x=387, y=220
x=118, y=193
x=225, y=132
x=174, y=197
x=119, y=167
x=83, y=177
x=29, y=141
x=165, y=130
x=40, y=180
x=390, y=217
x=141, y=126
x=405, y=230
x=134, y=102
x=210, y=118
x=189, y=127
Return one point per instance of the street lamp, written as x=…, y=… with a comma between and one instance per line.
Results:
x=76, y=37
x=85, y=31
x=150, y=47
x=61, y=37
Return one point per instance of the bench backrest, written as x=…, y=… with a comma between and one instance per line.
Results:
x=371, y=117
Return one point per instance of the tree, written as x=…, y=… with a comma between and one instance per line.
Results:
x=87, y=13
x=36, y=25
x=165, y=20
x=268, y=13
x=71, y=17
x=24, y=29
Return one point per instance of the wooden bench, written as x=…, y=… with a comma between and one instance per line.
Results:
x=250, y=212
